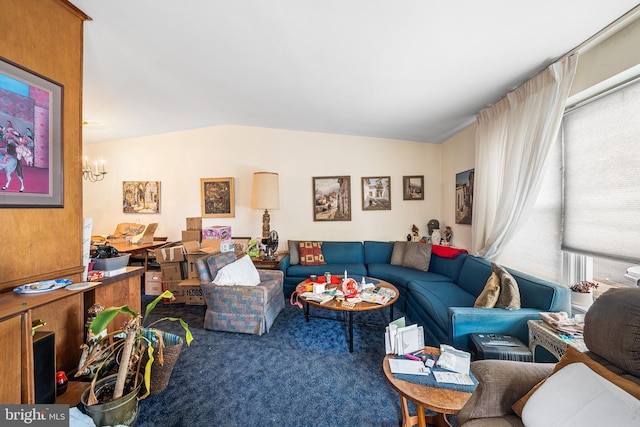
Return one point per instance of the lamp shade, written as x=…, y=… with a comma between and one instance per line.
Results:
x=266, y=191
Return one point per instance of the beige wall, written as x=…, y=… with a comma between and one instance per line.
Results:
x=180, y=159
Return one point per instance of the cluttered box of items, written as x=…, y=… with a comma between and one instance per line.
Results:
x=445, y=367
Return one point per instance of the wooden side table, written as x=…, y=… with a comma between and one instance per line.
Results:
x=264, y=264
x=541, y=334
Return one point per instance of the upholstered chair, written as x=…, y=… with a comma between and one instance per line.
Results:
x=612, y=336
x=236, y=308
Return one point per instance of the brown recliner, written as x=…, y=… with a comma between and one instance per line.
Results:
x=612, y=335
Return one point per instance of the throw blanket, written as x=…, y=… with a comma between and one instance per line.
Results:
x=447, y=251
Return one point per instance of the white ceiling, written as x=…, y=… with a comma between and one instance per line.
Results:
x=414, y=70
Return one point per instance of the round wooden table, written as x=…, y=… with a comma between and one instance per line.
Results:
x=361, y=306
x=439, y=400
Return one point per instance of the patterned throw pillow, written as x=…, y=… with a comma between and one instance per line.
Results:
x=509, y=291
x=310, y=253
x=489, y=295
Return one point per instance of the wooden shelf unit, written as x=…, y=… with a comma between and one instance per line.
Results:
x=65, y=314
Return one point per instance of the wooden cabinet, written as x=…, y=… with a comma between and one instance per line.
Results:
x=65, y=314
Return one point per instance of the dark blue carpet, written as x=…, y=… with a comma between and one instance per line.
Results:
x=298, y=374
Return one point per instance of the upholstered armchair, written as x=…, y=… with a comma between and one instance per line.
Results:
x=245, y=309
x=612, y=334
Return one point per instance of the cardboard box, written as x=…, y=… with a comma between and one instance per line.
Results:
x=147, y=235
x=171, y=271
x=194, y=223
x=195, y=250
x=217, y=232
x=170, y=254
x=192, y=292
x=191, y=235
x=227, y=246
x=178, y=292
x=152, y=283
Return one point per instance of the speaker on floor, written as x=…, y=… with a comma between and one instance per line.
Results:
x=44, y=364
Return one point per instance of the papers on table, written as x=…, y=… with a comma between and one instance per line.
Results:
x=401, y=339
x=452, y=378
x=404, y=366
x=454, y=359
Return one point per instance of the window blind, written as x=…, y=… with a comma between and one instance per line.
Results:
x=601, y=189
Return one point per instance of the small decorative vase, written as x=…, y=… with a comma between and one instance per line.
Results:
x=583, y=299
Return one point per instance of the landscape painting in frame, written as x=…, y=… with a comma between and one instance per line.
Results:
x=31, y=172
x=413, y=187
x=141, y=197
x=376, y=193
x=332, y=198
x=217, y=196
x=464, y=196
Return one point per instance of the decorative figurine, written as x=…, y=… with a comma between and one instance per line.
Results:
x=415, y=233
x=448, y=234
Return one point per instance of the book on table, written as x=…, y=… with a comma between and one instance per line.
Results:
x=320, y=298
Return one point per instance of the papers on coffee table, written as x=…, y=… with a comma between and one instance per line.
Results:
x=404, y=366
x=452, y=378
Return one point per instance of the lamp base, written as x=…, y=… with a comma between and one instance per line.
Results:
x=266, y=227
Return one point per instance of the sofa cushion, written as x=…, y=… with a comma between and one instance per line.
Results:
x=239, y=273
x=574, y=356
x=435, y=298
x=490, y=294
x=417, y=255
x=509, y=297
x=294, y=255
x=398, y=253
x=343, y=252
x=577, y=396
x=612, y=328
x=377, y=252
x=303, y=271
x=311, y=253
x=474, y=274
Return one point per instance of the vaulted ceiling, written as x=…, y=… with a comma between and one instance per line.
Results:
x=414, y=70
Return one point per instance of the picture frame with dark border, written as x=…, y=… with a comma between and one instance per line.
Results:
x=376, y=193
x=464, y=196
x=217, y=196
x=141, y=197
x=31, y=168
x=413, y=187
x=332, y=198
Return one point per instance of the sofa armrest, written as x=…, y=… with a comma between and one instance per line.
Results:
x=500, y=384
x=468, y=320
x=271, y=275
x=284, y=263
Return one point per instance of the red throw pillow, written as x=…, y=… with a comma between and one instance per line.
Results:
x=311, y=253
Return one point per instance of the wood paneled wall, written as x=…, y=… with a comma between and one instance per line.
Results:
x=46, y=36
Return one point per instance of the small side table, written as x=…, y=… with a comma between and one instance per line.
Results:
x=541, y=334
x=264, y=264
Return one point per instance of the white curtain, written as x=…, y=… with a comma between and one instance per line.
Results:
x=513, y=138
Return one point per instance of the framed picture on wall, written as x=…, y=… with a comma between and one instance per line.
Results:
x=464, y=196
x=141, y=197
x=413, y=187
x=376, y=193
x=31, y=169
x=332, y=198
x=217, y=195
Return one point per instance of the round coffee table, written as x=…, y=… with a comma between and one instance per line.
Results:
x=361, y=306
x=439, y=400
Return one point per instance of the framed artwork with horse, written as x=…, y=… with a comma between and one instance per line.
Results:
x=31, y=172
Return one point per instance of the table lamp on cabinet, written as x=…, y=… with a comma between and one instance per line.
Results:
x=265, y=195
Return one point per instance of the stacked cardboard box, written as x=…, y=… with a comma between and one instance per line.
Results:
x=195, y=250
x=171, y=259
x=192, y=291
x=193, y=231
x=220, y=232
x=153, y=283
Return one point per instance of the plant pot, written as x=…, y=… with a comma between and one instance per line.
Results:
x=122, y=411
x=583, y=299
x=160, y=374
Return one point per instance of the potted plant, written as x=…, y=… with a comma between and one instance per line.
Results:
x=582, y=293
x=113, y=400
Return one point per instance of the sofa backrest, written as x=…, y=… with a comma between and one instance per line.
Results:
x=449, y=267
x=534, y=292
x=343, y=252
x=208, y=266
x=377, y=252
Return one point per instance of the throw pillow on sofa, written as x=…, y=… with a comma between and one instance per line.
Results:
x=417, y=256
x=509, y=297
x=311, y=253
x=489, y=295
x=294, y=255
x=239, y=273
x=398, y=253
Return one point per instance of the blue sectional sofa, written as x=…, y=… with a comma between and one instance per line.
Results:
x=441, y=299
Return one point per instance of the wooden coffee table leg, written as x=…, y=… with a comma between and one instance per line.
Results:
x=306, y=311
x=438, y=420
x=407, y=420
x=421, y=419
